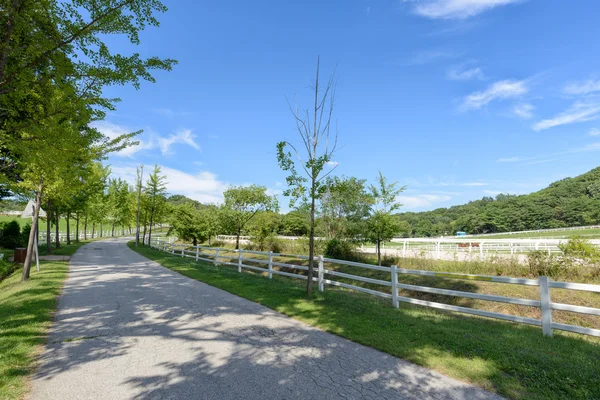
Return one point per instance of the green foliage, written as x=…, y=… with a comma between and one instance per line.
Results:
x=263, y=229
x=11, y=235
x=344, y=208
x=7, y=268
x=242, y=203
x=341, y=250
x=295, y=223
x=580, y=248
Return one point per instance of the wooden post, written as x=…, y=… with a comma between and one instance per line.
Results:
x=217, y=257
x=239, y=260
x=182, y=248
x=197, y=252
x=270, y=265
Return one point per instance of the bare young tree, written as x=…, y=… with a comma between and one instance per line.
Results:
x=319, y=139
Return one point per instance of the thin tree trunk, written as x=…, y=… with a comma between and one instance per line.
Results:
x=32, y=234
x=113, y=230
x=93, y=229
x=150, y=229
x=56, y=229
x=100, y=229
x=85, y=227
x=237, y=239
x=49, y=229
x=379, y=252
x=77, y=227
x=311, y=243
x=68, y=228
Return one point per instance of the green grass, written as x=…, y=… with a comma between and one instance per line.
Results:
x=25, y=315
x=26, y=311
x=513, y=360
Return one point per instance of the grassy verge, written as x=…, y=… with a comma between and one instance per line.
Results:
x=25, y=314
x=513, y=360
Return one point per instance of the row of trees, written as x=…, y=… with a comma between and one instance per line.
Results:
x=55, y=61
x=350, y=210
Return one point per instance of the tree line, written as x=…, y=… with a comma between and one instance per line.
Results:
x=55, y=61
x=565, y=203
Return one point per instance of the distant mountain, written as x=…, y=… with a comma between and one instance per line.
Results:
x=568, y=202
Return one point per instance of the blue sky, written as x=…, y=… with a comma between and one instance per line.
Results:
x=458, y=99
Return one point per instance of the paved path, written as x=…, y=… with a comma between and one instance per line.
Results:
x=128, y=328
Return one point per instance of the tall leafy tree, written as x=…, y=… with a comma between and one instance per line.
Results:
x=306, y=164
x=156, y=190
x=242, y=203
x=383, y=225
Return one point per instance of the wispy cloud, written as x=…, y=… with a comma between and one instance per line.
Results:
x=499, y=90
x=582, y=87
x=594, y=132
x=578, y=112
x=333, y=164
x=460, y=73
x=152, y=141
x=422, y=200
x=524, y=110
x=184, y=136
x=457, y=9
x=550, y=157
x=112, y=131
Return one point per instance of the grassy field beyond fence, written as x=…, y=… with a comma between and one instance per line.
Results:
x=511, y=359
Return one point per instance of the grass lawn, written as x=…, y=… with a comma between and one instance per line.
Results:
x=513, y=360
x=25, y=314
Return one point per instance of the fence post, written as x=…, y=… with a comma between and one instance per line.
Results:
x=217, y=257
x=270, y=265
x=545, y=306
x=404, y=249
x=395, y=286
x=197, y=252
x=173, y=248
x=182, y=248
x=240, y=260
x=321, y=274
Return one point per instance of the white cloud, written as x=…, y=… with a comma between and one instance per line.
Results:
x=112, y=131
x=462, y=74
x=333, y=164
x=421, y=200
x=594, y=132
x=474, y=184
x=154, y=141
x=583, y=87
x=578, y=112
x=524, y=110
x=457, y=9
x=203, y=186
x=182, y=137
x=498, y=90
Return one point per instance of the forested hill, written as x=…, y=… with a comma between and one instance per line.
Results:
x=568, y=202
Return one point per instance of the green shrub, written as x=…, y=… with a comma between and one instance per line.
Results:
x=580, y=248
x=7, y=268
x=11, y=235
x=217, y=243
x=341, y=250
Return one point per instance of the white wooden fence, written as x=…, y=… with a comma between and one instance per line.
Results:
x=217, y=256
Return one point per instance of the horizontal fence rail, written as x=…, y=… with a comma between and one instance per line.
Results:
x=325, y=276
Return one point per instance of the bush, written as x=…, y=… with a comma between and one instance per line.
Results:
x=7, y=268
x=580, y=248
x=341, y=250
x=11, y=235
